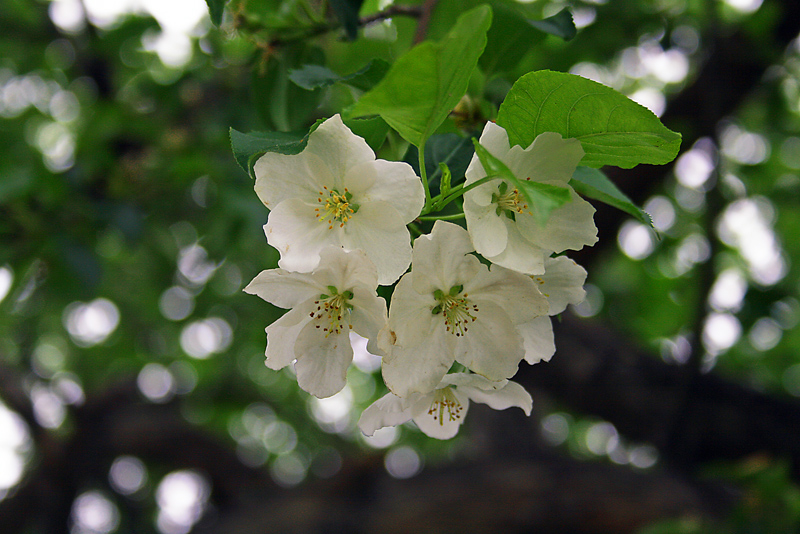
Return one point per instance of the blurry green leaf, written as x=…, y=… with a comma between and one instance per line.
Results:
x=424, y=85
x=281, y=104
x=248, y=147
x=347, y=13
x=594, y=184
x=613, y=129
x=513, y=34
x=373, y=130
x=316, y=76
x=560, y=25
x=215, y=8
x=542, y=198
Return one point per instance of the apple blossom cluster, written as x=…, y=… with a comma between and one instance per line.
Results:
x=469, y=304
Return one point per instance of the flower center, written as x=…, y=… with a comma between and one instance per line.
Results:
x=332, y=310
x=336, y=207
x=457, y=310
x=509, y=202
x=445, y=401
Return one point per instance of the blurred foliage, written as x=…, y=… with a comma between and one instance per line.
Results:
x=117, y=182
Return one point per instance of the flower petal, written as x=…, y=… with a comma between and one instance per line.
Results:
x=283, y=288
x=419, y=368
x=488, y=230
x=322, y=360
x=410, y=317
x=520, y=254
x=538, y=340
x=491, y=347
x=395, y=182
x=440, y=259
x=298, y=236
x=569, y=227
x=346, y=269
x=437, y=421
x=562, y=283
x=511, y=394
x=548, y=158
x=280, y=177
x=339, y=148
x=389, y=410
x=380, y=232
x=282, y=336
x=514, y=292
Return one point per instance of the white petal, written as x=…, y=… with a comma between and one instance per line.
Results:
x=282, y=336
x=548, y=158
x=346, y=270
x=396, y=183
x=538, y=340
x=380, y=232
x=281, y=176
x=368, y=316
x=514, y=292
x=440, y=423
x=487, y=229
x=389, y=410
x=511, y=394
x=440, y=258
x=569, y=227
x=322, y=361
x=494, y=138
x=298, y=235
x=520, y=254
x=283, y=288
x=562, y=283
x=410, y=317
x=420, y=368
x=339, y=149
x=491, y=346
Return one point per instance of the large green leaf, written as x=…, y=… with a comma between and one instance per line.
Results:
x=594, y=184
x=426, y=83
x=542, y=198
x=613, y=129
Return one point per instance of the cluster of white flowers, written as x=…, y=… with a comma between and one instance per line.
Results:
x=456, y=329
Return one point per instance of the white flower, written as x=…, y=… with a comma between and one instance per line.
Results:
x=336, y=193
x=451, y=307
x=326, y=304
x=439, y=414
x=501, y=225
x=561, y=284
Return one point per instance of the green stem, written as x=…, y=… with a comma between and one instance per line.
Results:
x=457, y=192
x=453, y=217
x=424, y=175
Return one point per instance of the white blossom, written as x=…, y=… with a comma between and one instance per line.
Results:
x=440, y=413
x=451, y=307
x=501, y=224
x=561, y=284
x=336, y=193
x=338, y=296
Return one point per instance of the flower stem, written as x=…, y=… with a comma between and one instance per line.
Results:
x=452, y=217
x=424, y=175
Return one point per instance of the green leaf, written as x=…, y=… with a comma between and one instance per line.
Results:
x=316, y=76
x=513, y=34
x=592, y=183
x=373, y=130
x=347, y=13
x=613, y=129
x=560, y=25
x=215, y=8
x=248, y=147
x=281, y=105
x=426, y=83
x=542, y=198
